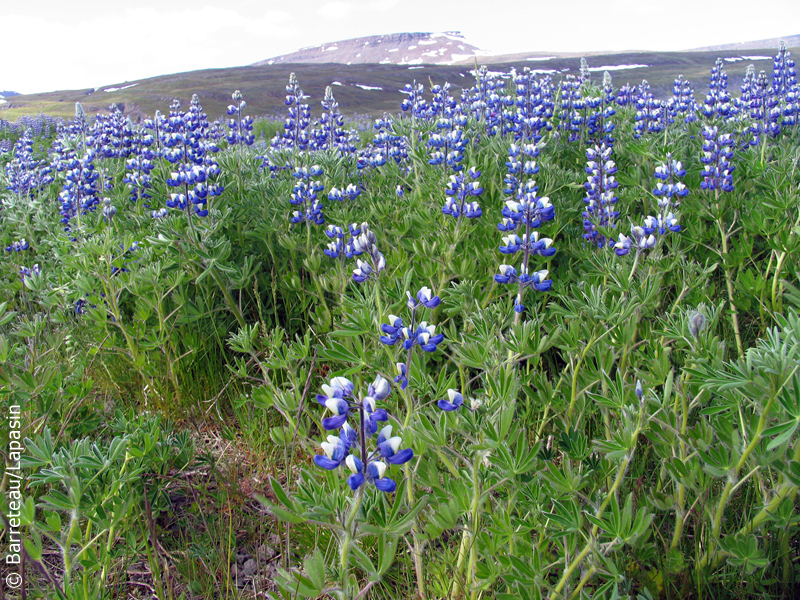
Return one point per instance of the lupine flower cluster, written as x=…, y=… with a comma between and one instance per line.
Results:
x=305, y=195
x=25, y=272
x=599, y=125
x=295, y=134
x=500, y=118
x=683, y=100
x=475, y=99
x=443, y=105
x=109, y=210
x=33, y=273
x=416, y=334
x=350, y=446
x=448, y=143
x=600, y=197
x=79, y=194
x=187, y=141
x=241, y=127
x=366, y=244
x=140, y=165
x=519, y=173
x=585, y=73
x=459, y=190
x=111, y=134
x=718, y=101
x=530, y=210
x=669, y=191
x=18, y=246
x=784, y=76
x=639, y=239
x=337, y=248
x=386, y=143
x=717, y=152
x=414, y=103
x=651, y=114
x=351, y=192
x=626, y=95
x=27, y=174
x=534, y=106
x=572, y=104
x=328, y=132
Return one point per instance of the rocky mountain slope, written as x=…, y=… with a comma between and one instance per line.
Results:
x=444, y=48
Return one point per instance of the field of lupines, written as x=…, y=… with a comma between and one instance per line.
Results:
x=540, y=341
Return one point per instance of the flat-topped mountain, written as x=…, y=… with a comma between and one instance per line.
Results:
x=444, y=48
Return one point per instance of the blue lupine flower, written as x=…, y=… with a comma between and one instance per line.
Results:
x=305, y=194
x=454, y=403
x=534, y=106
x=362, y=272
x=661, y=224
x=335, y=453
x=355, y=480
x=623, y=245
x=508, y=274
x=402, y=375
x=717, y=100
x=668, y=187
x=570, y=117
x=538, y=280
x=424, y=298
x=392, y=330
x=389, y=447
x=375, y=473
x=374, y=416
x=335, y=399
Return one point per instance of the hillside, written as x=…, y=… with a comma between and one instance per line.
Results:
x=789, y=40
x=368, y=88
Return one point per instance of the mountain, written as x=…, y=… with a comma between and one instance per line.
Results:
x=7, y=94
x=446, y=48
x=790, y=40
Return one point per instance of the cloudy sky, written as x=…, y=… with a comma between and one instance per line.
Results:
x=55, y=44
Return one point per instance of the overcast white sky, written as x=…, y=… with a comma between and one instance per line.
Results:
x=59, y=44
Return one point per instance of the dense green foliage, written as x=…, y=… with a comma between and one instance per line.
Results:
x=554, y=480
